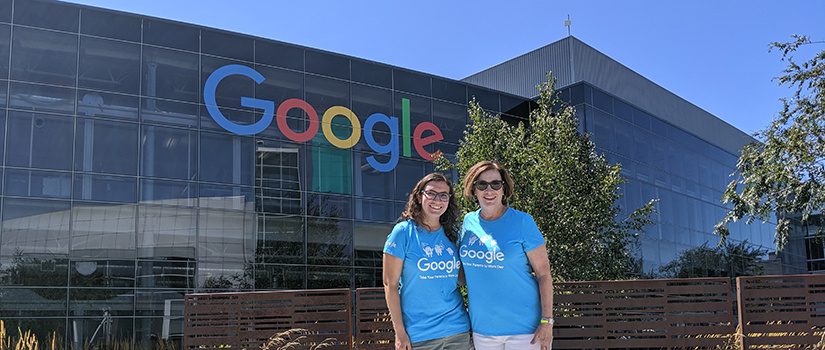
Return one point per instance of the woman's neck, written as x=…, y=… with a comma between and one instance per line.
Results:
x=492, y=213
x=430, y=224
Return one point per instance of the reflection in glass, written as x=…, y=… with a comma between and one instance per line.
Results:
x=281, y=277
x=281, y=239
x=34, y=305
x=226, y=158
x=35, y=227
x=329, y=241
x=177, y=273
x=370, y=182
x=42, y=98
x=412, y=82
x=60, y=16
x=327, y=64
x=322, y=277
x=169, y=153
x=178, y=193
x=33, y=183
x=105, y=188
x=369, y=241
x=103, y=273
x=226, y=246
x=371, y=73
x=40, y=141
x=166, y=232
x=106, y=147
x=108, y=105
x=44, y=56
x=171, y=75
x=103, y=231
x=109, y=65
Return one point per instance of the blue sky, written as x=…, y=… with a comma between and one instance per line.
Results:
x=713, y=53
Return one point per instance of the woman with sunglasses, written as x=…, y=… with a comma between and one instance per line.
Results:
x=503, y=253
x=421, y=269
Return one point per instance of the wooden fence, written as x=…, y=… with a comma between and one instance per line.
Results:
x=776, y=312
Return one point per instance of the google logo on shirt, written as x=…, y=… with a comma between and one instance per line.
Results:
x=269, y=112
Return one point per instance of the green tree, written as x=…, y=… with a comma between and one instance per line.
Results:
x=784, y=172
x=728, y=260
x=560, y=180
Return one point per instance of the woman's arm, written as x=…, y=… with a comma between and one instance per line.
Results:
x=392, y=274
x=541, y=266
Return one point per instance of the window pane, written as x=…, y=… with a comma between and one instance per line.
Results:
x=329, y=277
x=451, y=119
x=47, y=14
x=35, y=226
x=167, y=274
x=5, y=40
x=109, y=65
x=329, y=241
x=279, y=86
x=279, y=277
x=176, y=193
x=42, y=98
x=226, y=197
x=370, y=182
x=327, y=64
x=32, y=183
x=40, y=141
x=171, y=75
x=227, y=45
x=5, y=11
x=110, y=24
x=167, y=232
x=171, y=35
x=226, y=243
x=165, y=112
x=103, y=231
x=169, y=153
x=280, y=240
x=408, y=173
x=450, y=91
x=105, y=188
x=279, y=55
x=371, y=73
x=486, y=98
x=106, y=147
x=226, y=158
x=44, y=57
x=104, y=104
x=411, y=82
x=369, y=243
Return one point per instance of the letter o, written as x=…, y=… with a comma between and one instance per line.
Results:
x=334, y=111
x=312, y=116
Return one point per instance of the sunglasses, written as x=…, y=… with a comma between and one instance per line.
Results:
x=482, y=185
x=438, y=196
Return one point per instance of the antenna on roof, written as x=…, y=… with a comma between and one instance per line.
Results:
x=567, y=24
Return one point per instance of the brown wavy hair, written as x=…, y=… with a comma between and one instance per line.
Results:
x=448, y=220
x=480, y=167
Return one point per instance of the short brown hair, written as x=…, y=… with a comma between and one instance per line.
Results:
x=480, y=167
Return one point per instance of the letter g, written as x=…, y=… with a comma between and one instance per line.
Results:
x=212, y=106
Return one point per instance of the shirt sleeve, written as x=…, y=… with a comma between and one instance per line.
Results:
x=532, y=235
x=396, y=244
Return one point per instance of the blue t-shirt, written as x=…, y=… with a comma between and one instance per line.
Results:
x=431, y=303
x=503, y=293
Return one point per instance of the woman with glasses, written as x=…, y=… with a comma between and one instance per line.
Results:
x=509, y=286
x=421, y=270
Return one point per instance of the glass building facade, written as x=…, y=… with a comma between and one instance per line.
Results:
x=141, y=161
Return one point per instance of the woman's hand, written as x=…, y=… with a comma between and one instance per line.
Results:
x=544, y=334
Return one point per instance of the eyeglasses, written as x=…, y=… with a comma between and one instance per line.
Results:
x=482, y=185
x=438, y=196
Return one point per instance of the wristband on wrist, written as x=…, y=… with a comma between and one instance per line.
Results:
x=548, y=320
